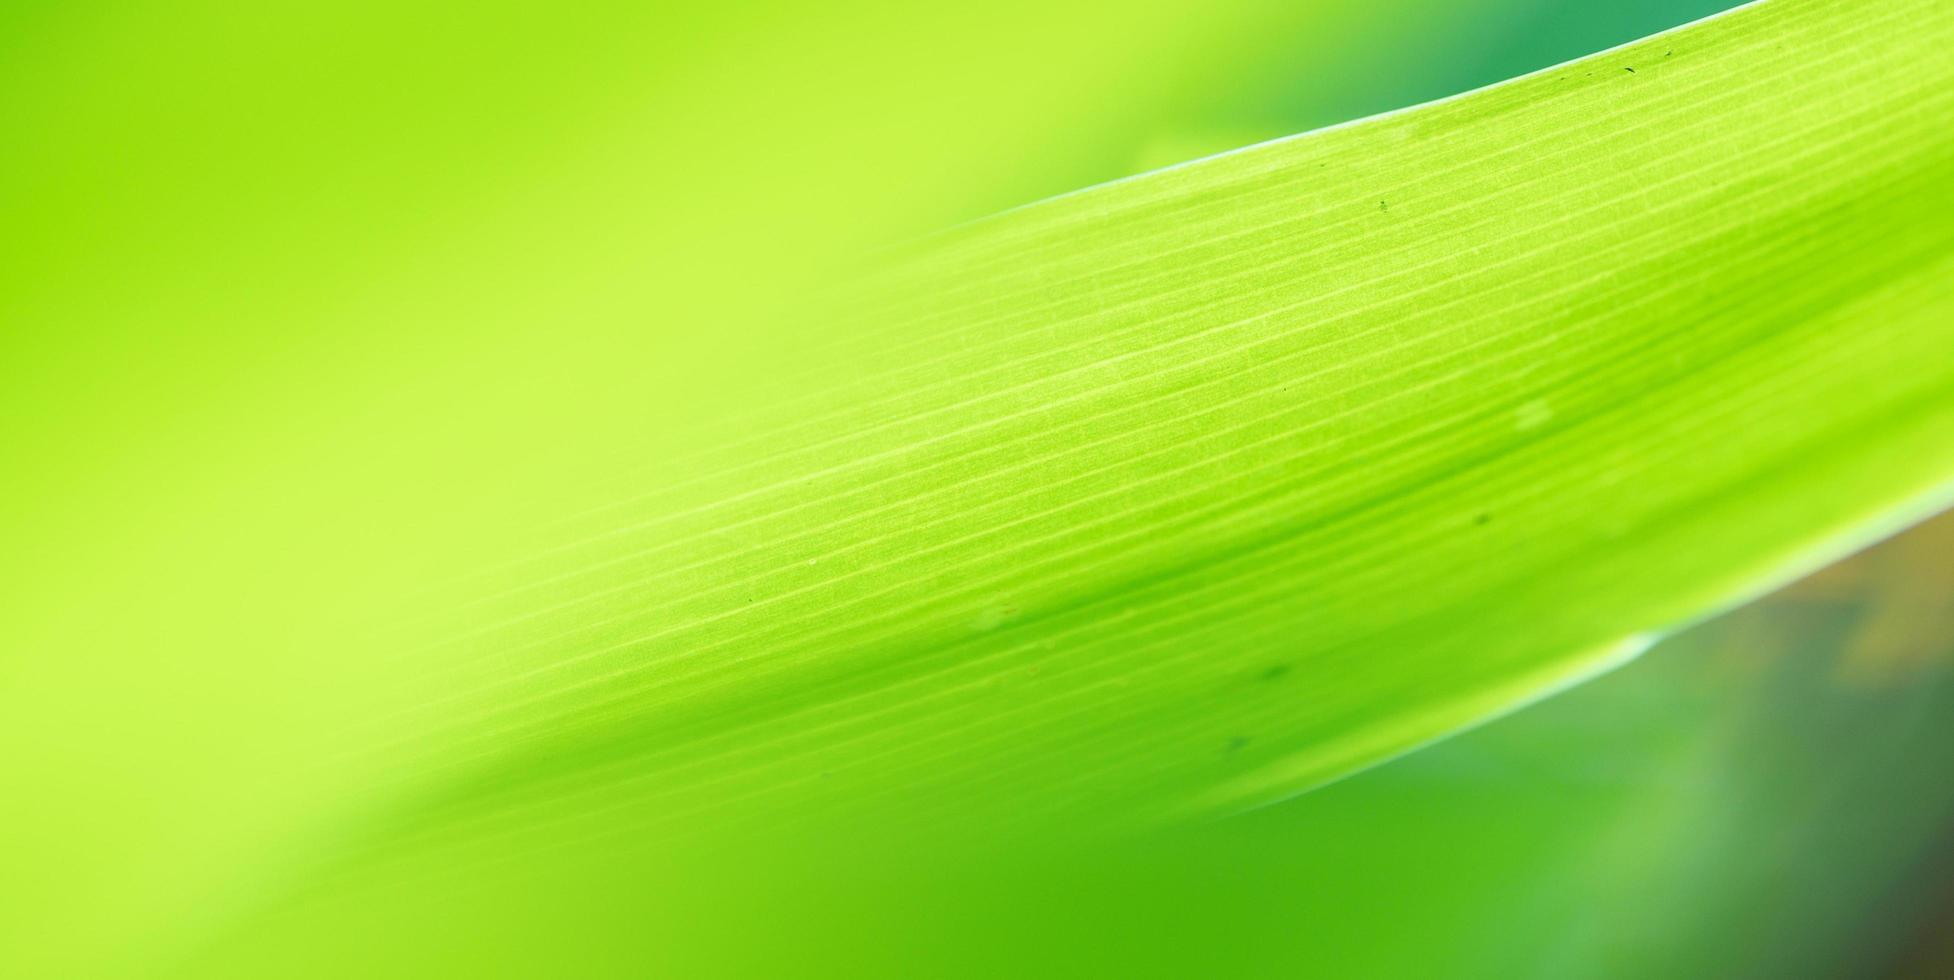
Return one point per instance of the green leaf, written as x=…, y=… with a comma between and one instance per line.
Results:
x=1195, y=490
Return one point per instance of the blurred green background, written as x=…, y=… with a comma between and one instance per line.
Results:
x=294, y=301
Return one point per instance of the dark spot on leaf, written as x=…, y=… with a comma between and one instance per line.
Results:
x=1275, y=672
x=1238, y=743
x=1629, y=70
x=1381, y=206
x=1482, y=519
